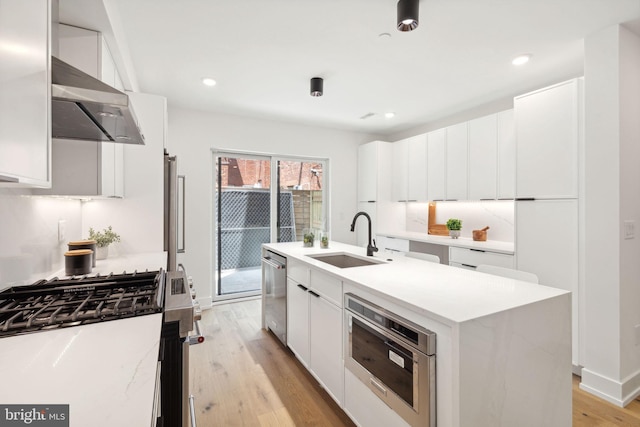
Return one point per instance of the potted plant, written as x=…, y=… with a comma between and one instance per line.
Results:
x=454, y=226
x=324, y=239
x=103, y=240
x=308, y=238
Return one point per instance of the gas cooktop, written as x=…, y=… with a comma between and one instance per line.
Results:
x=56, y=303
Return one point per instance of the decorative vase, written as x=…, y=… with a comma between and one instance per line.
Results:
x=102, y=252
x=324, y=240
x=308, y=237
x=454, y=234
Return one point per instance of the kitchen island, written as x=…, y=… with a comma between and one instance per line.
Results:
x=503, y=354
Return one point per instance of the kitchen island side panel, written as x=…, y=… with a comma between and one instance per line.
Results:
x=513, y=361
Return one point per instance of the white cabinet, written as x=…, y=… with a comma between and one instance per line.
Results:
x=506, y=155
x=87, y=168
x=409, y=171
x=298, y=320
x=483, y=158
x=392, y=245
x=325, y=335
x=374, y=186
x=25, y=87
x=400, y=171
x=314, y=325
x=436, y=165
x=417, y=169
x=548, y=130
x=368, y=171
x=547, y=245
x=456, y=162
x=472, y=258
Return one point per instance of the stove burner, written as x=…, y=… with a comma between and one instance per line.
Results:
x=79, y=300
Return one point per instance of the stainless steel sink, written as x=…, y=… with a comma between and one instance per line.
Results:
x=342, y=260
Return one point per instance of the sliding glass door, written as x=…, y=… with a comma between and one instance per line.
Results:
x=243, y=205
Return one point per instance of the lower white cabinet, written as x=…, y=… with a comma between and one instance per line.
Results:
x=325, y=342
x=314, y=329
x=298, y=320
x=364, y=407
x=472, y=258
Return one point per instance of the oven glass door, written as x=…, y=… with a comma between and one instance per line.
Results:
x=390, y=361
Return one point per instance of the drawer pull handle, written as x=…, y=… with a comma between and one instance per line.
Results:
x=314, y=294
x=469, y=265
x=304, y=288
x=477, y=250
x=377, y=385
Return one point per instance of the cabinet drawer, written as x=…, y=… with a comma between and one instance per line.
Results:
x=473, y=258
x=395, y=244
x=327, y=286
x=298, y=271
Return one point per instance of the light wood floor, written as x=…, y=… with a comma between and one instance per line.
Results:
x=242, y=376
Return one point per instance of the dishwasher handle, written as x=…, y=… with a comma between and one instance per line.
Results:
x=270, y=262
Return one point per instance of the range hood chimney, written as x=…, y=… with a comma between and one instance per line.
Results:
x=83, y=107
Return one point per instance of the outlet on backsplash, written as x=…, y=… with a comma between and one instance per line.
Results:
x=62, y=230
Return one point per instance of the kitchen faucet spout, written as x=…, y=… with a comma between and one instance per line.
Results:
x=371, y=246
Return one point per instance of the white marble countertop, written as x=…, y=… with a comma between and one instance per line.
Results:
x=105, y=371
x=449, y=294
x=461, y=242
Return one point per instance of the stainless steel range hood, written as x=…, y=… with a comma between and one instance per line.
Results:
x=83, y=107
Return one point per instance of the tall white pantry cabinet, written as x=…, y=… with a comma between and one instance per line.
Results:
x=549, y=136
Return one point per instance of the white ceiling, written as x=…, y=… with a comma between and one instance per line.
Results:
x=264, y=52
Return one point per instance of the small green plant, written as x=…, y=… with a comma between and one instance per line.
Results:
x=324, y=241
x=454, y=224
x=105, y=237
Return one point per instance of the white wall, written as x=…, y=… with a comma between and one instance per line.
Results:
x=29, y=247
x=611, y=304
x=192, y=136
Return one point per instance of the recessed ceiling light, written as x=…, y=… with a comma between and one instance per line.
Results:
x=389, y=115
x=208, y=81
x=521, y=59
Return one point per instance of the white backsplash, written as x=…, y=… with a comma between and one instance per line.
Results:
x=29, y=247
x=497, y=214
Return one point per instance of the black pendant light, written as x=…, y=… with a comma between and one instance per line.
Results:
x=408, y=15
x=316, y=86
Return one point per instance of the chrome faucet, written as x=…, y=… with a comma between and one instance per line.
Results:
x=371, y=247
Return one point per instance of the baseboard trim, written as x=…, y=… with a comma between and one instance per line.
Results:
x=620, y=393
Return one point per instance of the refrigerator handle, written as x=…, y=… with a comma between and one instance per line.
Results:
x=182, y=206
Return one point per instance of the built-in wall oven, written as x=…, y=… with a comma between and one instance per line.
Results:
x=394, y=358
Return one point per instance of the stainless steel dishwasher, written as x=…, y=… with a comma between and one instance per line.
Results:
x=274, y=294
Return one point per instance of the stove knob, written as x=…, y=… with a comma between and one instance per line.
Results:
x=193, y=293
x=190, y=281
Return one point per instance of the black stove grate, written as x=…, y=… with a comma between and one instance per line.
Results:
x=70, y=302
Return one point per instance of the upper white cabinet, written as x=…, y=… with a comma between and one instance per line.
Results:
x=436, y=164
x=506, y=156
x=400, y=171
x=417, y=170
x=409, y=171
x=87, y=168
x=548, y=132
x=25, y=100
x=483, y=158
x=457, y=152
x=368, y=170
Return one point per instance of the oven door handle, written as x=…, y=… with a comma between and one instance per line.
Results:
x=198, y=338
x=398, y=349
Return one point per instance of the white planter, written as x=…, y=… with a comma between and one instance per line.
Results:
x=454, y=234
x=102, y=252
